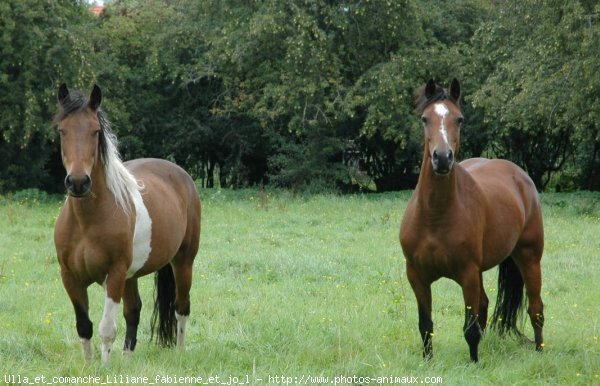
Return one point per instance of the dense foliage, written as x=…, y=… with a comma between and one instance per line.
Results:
x=305, y=94
x=38, y=47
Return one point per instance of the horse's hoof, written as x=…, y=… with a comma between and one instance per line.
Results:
x=475, y=358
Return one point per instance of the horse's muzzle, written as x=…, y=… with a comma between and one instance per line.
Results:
x=78, y=187
x=442, y=161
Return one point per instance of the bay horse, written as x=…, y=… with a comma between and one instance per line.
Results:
x=465, y=218
x=121, y=221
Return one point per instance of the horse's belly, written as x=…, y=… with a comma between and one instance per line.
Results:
x=159, y=230
x=496, y=256
x=509, y=193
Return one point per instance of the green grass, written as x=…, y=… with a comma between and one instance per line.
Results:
x=304, y=285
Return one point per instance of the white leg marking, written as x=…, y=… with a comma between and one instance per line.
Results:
x=142, y=235
x=87, y=349
x=181, y=321
x=108, y=327
x=441, y=110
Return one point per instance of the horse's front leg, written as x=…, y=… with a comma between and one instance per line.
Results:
x=79, y=297
x=422, y=290
x=113, y=290
x=470, y=283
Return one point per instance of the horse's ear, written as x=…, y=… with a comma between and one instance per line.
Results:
x=95, y=98
x=455, y=90
x=430, y=88
x=63, y=94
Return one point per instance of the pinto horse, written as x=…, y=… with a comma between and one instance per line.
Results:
x=465, y=218
x=122, y=221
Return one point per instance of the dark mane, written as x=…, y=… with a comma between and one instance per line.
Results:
x=421, y=101
x=77, y=102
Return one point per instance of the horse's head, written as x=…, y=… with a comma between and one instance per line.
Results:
x=442, y=120
x=80, y=137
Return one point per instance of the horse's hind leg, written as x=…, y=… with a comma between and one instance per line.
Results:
x=422, y=292
x=483, y=305
x=183, y=282
x=182, y=271
x=527, y=257
x=530, y=268
x=132, y=307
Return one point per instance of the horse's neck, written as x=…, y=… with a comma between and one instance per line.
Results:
x=436, y=194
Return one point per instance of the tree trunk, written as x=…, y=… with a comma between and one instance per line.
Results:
x=210, y=173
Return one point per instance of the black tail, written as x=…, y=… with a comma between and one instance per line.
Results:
x=164, y=307
x=510, y=298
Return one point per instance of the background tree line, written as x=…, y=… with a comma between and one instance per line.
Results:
x=305, y=94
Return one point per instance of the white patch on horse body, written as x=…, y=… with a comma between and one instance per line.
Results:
x=108, y=327
x=181, y=322
x=142, y=234
x=441, y=110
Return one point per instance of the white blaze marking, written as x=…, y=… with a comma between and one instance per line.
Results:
x=141, y=236
x=181, y=321
x=108, y=327
x=441, y=110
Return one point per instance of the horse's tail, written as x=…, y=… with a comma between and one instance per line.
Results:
x=164, y=307
x=510, y=298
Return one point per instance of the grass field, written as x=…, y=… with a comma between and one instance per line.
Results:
x=301, y=286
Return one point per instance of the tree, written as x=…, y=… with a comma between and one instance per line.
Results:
x=305, y=94
x=41, y=45
x=543, y=78
x=433, y=43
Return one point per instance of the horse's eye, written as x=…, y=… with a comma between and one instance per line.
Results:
x=61, y=132
x=96, y=133
x=460, y=120
x=424, y=120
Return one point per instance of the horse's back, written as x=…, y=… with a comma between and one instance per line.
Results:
x=162, y=176
x=498, y=176
x=158, y=167
x=512, y=205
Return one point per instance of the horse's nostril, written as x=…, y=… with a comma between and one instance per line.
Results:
x=435, y=154
x=87, y=183
x=450, y=155
x=69, y=181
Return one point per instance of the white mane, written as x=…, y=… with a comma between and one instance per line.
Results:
x=119, y=180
